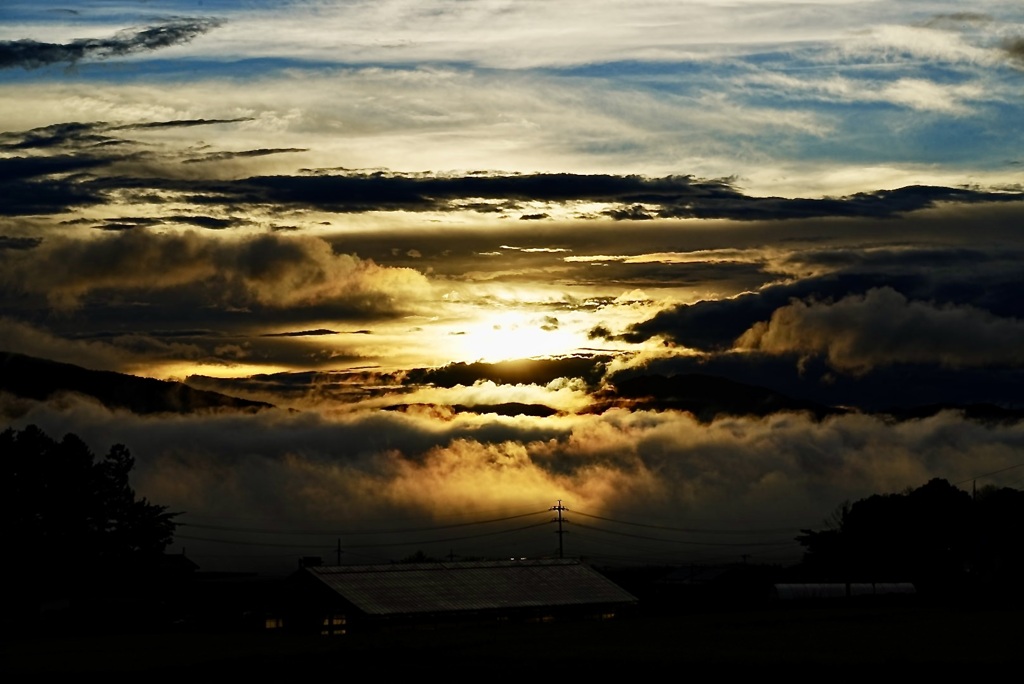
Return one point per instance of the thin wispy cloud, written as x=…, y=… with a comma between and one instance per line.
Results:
x=32, y=54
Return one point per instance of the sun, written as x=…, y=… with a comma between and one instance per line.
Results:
x=507, y=335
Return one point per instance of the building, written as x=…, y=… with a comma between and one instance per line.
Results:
x=335, y=599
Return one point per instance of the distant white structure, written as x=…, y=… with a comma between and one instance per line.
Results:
x=790, y=592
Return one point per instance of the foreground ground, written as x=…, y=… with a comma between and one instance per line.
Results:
x=823, y=636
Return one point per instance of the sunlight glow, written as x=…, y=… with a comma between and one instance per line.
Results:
x=509, y=335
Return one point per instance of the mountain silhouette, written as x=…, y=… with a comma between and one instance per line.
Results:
x=41, y=379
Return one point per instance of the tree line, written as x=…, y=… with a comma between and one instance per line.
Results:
x=936, y=536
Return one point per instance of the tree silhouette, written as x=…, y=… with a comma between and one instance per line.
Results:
x=999, y=543
x=74, y=520
x=936, y=536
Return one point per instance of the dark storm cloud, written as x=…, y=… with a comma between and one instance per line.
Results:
x=706, y=397
x=208, y=222
x=631, y=197
x=715, y=324
x=876, y=329
x=31, y=54
x=668, y=197
x=244, y=154
x=633, y=213
x=882, y=327
x=329, y=386
x=180, y=123
x=76, y=134
x=526, y=371
x=359, y=385
x=7, y=242
x=152, y=333
x=116, y=226
x=878, y=204
x=48, y=182
x=1014, y=47
x=14, y=169
x=303, y=333
x=27, y=189
x=72, y=134
x=732, y=276
x=886, y=388
x=986, y=280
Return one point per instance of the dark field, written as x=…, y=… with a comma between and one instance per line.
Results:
x=827, y=636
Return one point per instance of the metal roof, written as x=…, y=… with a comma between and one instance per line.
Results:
x=403, y=589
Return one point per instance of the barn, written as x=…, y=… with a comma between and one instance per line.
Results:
x=338, y=599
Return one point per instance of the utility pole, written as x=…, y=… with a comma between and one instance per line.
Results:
x=339, y=551
x=560, y=532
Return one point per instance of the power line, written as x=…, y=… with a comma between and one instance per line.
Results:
x=994, y=472
x=584, y=529
x=347, y=533
x=692, y=530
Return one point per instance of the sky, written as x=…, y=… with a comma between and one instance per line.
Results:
x=455, y=243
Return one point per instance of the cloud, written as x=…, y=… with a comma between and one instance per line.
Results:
x=524, y=371
x=883, y=388
x=20, y=337
x=310, y=471
x=957, y=20
x=26, y=170
x=28, y=191
x=984, y=276
x=180, y=123
x=396, y=191
x=273, y=271
x=936, y=45
x=243, y=154
x=133, y=222
x=31, y=54
x=303, y=333
x=877, y=204
x=668, y=197
x=1014, y=47
x=69, y=134
x=509, y=36
x=94, y=134
x=7, y=242
x=883, y=327
x=120, y=170
x=916, y=93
